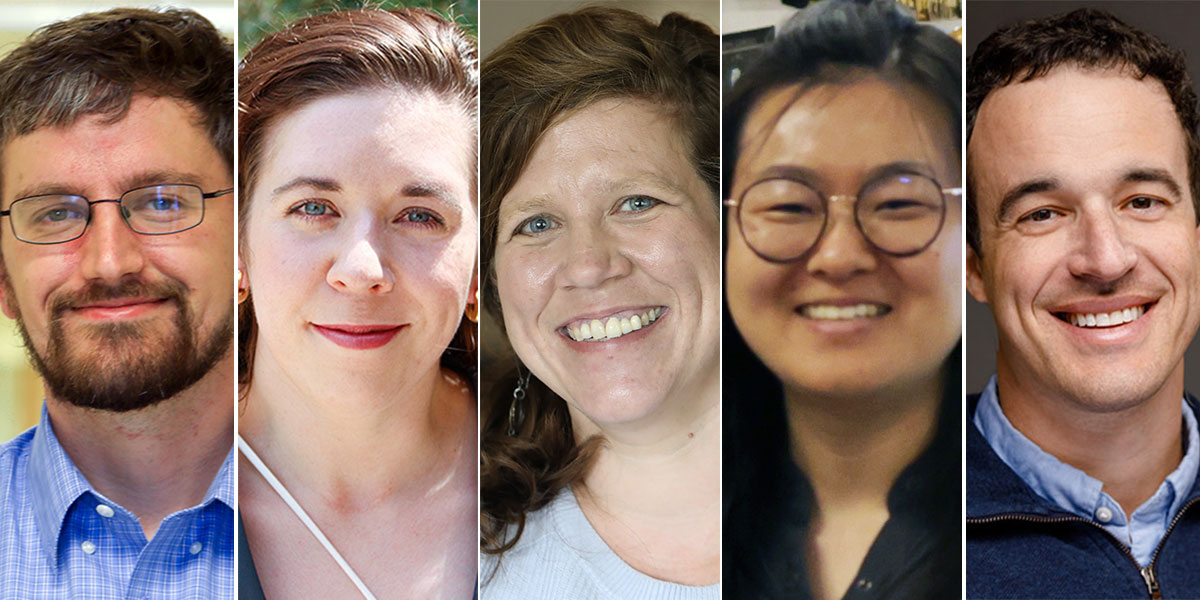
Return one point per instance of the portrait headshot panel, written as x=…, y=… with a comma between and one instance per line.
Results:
x=359, y=226
x=842, y=332
x=1083, y=262
x=116, y=182
x=1172, y=22
x=600, y=279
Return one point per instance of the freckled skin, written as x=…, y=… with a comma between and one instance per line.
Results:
x=361, y=262
x=599, y=257
x=843, y=132
x=1085, y=129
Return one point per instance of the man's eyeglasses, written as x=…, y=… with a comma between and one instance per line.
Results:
x=150, y=210
x=781, y=219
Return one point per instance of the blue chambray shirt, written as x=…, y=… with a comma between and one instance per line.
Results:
x=1078, y=493
x=59, y=538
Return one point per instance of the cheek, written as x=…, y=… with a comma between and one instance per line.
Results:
x=525, y=281
x=751, y=283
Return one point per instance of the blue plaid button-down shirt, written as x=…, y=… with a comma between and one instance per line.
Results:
x=60, y=538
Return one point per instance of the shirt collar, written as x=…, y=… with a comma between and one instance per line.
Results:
x=1060, y=483
x=54, y=484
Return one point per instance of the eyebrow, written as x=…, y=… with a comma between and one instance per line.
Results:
x=814, y=178
x=137, y=180
x=1048, y=184
x=323, y=184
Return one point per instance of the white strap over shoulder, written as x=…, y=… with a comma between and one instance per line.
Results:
x=304, y=518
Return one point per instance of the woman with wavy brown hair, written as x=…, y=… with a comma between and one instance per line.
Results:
x=601, y=254
x=356, y=262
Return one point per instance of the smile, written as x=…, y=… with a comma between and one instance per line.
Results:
x=359, y=337
x=830, y=312
x=612, y=326
x=1104, y=319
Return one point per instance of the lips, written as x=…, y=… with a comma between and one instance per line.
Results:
x=111, y=309
x=358, y=337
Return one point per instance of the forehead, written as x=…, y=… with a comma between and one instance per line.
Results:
x=1082, y=127
x=97, y=156
x=844, y=130
x=372, y=134
x=605, y=146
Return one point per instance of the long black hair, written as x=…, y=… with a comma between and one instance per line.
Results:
x=835, y=41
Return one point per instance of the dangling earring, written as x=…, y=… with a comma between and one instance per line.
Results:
x=243, y=292
x=516, y=410
x=473, y=309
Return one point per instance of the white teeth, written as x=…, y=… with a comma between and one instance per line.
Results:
x=1110, y=319
x=612, y=327
x=827, y=312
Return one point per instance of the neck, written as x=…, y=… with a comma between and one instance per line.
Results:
x=399, y=437
x=853, y=448
x=1112, y=446
x=157, y=460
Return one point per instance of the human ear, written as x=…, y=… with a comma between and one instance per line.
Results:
x=975, y=285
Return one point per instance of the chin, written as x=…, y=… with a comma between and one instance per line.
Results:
x=1111, y=391
x=617, y=407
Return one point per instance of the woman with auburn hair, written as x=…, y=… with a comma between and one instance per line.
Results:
x=601, y=251
x=356, y=264
x=844, y=283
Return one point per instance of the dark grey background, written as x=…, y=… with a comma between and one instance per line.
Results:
x=1177, y=24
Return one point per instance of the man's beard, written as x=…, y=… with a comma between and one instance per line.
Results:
x=124, y=366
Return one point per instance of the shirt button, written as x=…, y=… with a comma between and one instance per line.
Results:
x=864, y=584
x=1103, y=514
x=88, y=548
x=196, y=547
x=104, y=510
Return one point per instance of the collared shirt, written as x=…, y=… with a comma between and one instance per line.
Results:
x=60, y=538
x=1078, y=493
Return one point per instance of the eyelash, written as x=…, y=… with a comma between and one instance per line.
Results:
x=298, y=210
x=520, y=230
x=434, y=220
x=653, y=202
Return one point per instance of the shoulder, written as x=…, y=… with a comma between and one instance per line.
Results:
x=543, y=563
x=13, y=456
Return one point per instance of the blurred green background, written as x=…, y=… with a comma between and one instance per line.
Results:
x=256, y=18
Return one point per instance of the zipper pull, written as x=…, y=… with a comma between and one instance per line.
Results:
x=1151, y=582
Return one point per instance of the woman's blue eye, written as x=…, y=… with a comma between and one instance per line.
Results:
x=314, y=209
x=536, y=225
x=638, y=204
x=421, y=217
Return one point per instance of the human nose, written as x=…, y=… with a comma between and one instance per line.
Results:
x=1101, y=252
x=110, y=250
x=842, y=251
x=593, y=256
x=359, y=268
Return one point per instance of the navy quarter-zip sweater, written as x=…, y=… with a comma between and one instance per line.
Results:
x=1020, y=545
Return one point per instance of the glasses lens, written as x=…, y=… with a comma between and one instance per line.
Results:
x=781, y=218
x=160, y=209
x=49, y=219
x=901, y=214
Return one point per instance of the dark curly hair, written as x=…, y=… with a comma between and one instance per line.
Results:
x=1085, y=38
x=531, y=82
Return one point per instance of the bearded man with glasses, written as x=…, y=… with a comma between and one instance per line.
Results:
x=116, y=181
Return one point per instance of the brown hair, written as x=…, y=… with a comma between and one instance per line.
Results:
x=531, y=82
x=95, y=63
x=338, y=53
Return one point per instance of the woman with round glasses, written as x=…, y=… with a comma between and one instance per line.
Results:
x=358, y=236
x=843, y=283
